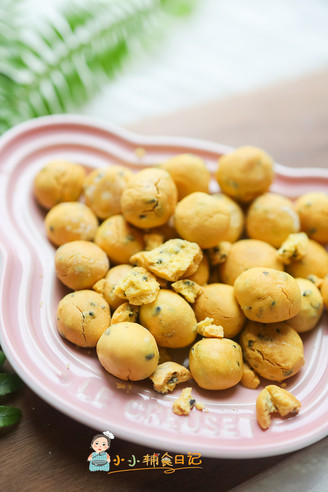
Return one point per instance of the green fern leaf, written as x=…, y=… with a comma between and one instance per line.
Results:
x=60, y=67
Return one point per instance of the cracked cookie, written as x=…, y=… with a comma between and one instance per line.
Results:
x=58, y=181
x=274, y=350
x=237, y=219
x=149, y=199
x=128, y=351
x=82, y=317
x=268, y=295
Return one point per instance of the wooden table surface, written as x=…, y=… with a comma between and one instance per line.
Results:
x=48, y=450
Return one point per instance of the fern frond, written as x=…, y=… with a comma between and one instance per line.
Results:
x=59, y=67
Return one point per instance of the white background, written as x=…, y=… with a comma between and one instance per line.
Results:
x=224, y=47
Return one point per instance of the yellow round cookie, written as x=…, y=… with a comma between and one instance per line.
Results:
x=149, y=199
x=268, y=295
x=275, y=350
x=202, y=274
x=271, y=218
x=245, y=254
x=170, y=319
x=245, y=173
x=103, y=189
x=216, y=363
x=106, y=286
x=167, y=231
x=324, y=291
x=315, y=262
x=82, y=317
x=79, y=264
x=202, y=219
x=312, y=306
x=70, y=221
x=125, y=313
x=118, y=239
x=189, y=172
x=313, y=212
x=58, y=181
x=219, y=303
x=128, y=351
x=237, y=219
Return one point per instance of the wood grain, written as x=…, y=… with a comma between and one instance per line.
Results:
x=289, y=121
x=48, y=450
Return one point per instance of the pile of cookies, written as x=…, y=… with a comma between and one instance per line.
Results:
x=155, y=262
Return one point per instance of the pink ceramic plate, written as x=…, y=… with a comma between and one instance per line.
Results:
x=71, y=379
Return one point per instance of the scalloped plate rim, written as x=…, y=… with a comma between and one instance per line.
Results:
x=131, y=137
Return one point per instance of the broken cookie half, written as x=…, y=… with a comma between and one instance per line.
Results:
x=174, y=259
x=275, y=399
x=167, y=375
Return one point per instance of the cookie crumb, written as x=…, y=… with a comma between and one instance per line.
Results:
x=126, y=387
x=139, y=287
x=207, y=328
x=294, y=248
x=140, y=152
x=125, y=313
x=172, y=260
x=199, y=406
x=189, y=289
x=185, y=403
x=182, y=405
x=219, y=253
x=249, y=379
